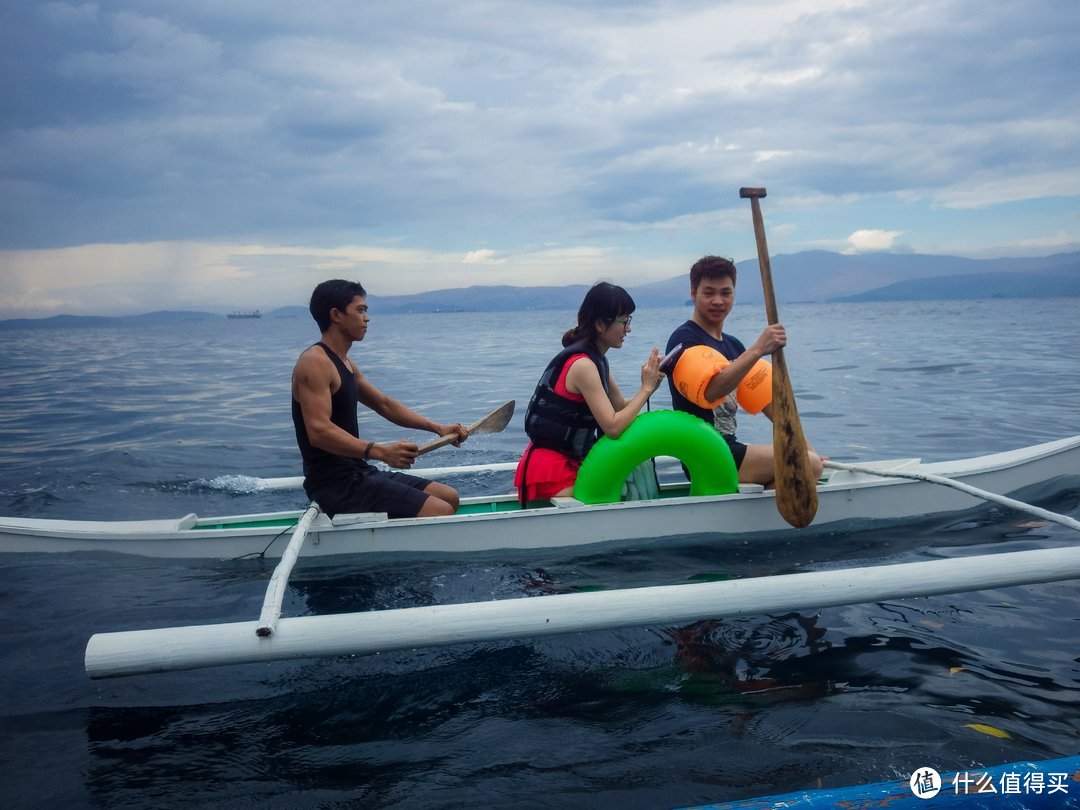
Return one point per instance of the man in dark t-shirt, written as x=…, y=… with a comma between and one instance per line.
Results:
x=712, y=290
x=326, y=387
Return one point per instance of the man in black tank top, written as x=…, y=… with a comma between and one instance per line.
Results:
x=326, y=387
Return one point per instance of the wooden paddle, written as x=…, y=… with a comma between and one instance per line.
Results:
x=494, y=422
x=796, y=489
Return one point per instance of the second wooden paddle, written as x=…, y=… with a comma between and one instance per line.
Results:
x=796, y=489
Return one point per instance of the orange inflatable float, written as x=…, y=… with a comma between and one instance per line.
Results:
x=755, y=390
x=699, y=364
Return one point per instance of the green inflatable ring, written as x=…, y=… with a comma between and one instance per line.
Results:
x=694, y=442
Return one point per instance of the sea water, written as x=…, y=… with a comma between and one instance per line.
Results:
x=138, y=420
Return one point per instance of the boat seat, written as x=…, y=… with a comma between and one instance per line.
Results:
x=188, y=521
x=351, y=518
x=565, y=501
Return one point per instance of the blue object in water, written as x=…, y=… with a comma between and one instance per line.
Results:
x=1053, y=783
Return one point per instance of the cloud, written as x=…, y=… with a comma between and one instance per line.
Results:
x=483, y=256
x=118, y=279
x=70, y=13
x=625, y=128
x=981, y=193
x=866, y=241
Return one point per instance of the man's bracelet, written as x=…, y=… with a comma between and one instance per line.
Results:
x=367, y=450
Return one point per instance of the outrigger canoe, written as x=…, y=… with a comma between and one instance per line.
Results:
x=891, y=491
x=849, y=498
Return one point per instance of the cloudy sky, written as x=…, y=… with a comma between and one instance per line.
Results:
x=222, y=154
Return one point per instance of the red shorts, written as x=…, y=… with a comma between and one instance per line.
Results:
x=546, y=472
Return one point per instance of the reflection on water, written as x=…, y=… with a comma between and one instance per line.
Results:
x=733, y=662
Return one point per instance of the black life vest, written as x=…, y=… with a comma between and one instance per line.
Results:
x=554, y=422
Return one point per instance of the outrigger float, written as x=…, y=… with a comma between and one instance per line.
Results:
x=273, y=638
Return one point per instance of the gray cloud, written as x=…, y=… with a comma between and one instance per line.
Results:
x=514, y=125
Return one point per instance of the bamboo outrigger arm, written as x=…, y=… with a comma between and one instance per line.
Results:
x=279, y=581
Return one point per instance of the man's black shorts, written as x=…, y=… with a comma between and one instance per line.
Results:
x=738, y=449
x=369, y=489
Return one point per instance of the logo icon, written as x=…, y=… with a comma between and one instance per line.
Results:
x=925, y=783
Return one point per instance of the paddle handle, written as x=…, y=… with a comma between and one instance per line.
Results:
x=796, y=489
x=754, y=194
x=435, y=444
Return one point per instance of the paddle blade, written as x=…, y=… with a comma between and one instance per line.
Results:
x=494, y=422
x=796, y=489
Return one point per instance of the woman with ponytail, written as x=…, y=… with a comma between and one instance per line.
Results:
x=577, y=399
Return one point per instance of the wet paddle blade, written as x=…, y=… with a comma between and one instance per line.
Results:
x=494, y=422
x=796, y=489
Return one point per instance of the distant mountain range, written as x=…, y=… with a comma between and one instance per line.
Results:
x=798, y=277
x=809, y=276
x=105, y=320
x=821, y=276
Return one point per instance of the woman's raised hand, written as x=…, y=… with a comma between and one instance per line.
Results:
x=651, y=376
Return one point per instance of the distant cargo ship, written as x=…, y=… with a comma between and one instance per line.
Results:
x=255, y=314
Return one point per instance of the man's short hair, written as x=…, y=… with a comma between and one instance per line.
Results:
x=713, y=267
x=334, y=294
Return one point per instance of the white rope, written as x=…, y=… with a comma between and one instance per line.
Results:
x=275, y=590
x=1020, y=506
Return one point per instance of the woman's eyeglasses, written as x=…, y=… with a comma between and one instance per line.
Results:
x=624, y=322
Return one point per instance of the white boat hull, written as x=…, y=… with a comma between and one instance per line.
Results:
x=848, y=499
